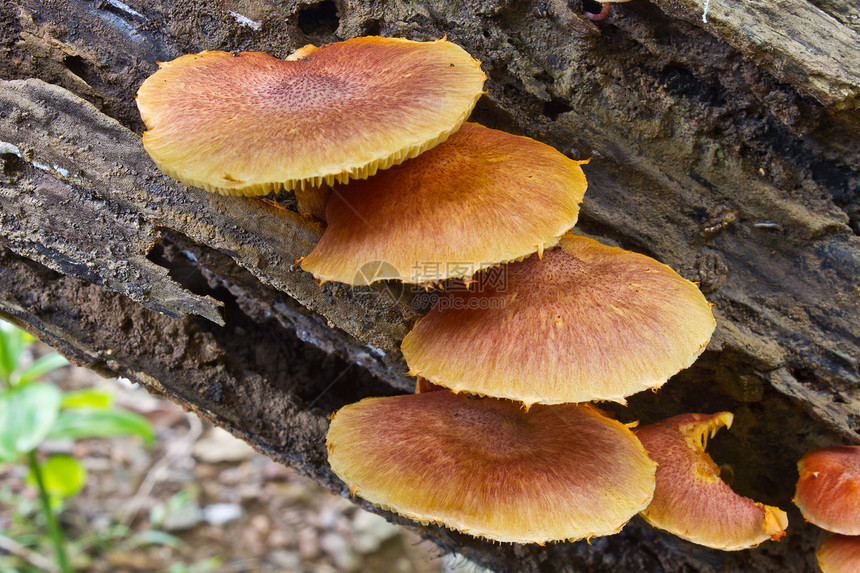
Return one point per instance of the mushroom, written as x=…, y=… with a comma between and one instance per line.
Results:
x=828, y=490
x=839, y=554
x=312, y=200
x=252, y=123
x=479, y=199
x=604, y=10
x=690, y=499
x=488, y=468
x=588, y=322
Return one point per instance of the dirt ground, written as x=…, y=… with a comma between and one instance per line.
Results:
x=228, y=508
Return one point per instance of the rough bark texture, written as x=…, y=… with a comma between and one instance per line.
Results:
x=196, y=296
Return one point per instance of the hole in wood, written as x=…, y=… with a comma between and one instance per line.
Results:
x=321, y=19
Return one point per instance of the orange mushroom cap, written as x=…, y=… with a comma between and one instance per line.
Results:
x=839, y=554
x=490, y=469
x=691, y=501
x=588, y=322
x=828, y=491
x=249, y=124
x=482, y=198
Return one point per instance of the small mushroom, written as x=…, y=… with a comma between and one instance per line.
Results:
x=690, y=500
x=311, y=200
x=828, y=490
x=481, y=198
x=587, y=322
x=490, y=469
x=252, y=123
x=604, y=10
x=839, y=554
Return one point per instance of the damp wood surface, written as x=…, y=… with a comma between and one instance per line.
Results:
x=197, y=296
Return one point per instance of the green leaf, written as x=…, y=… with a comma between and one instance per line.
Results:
x=7, y=361
x=152, y=537
x=45, y=364
x=95, y=398
x=13, y=341
x=203, y=566
x=27, y=414
x=101, y=424
x=157, y=515
x=4, y=362
x=63, y=476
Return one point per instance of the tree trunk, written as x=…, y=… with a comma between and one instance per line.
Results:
x=196, y=296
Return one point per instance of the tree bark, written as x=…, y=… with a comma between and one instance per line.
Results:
x=197, y=297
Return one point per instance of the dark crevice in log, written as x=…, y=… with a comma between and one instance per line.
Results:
x=319, y=21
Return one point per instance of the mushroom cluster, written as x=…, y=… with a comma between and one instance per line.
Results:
x=828, y=495
x=499, y=440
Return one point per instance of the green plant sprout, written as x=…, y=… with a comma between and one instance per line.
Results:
x=32, y=412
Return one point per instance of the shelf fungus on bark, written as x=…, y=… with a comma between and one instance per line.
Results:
x=828, y=490
x=251, y=123
x=691, y=500
x=491, y=469
x=587, y=322
x=839, y=554
x=481, y=198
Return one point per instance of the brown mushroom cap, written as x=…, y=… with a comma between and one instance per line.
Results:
x=588, y=322
x=828, y=491
x=691, y=501
x=248, y=124
x=482, y=198
x=490, y=469
x=839, y=554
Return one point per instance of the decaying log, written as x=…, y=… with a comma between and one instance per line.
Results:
x=197, y=296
